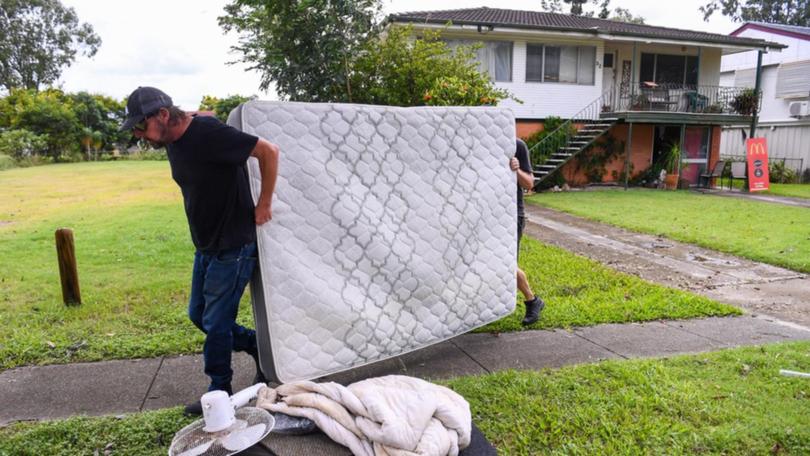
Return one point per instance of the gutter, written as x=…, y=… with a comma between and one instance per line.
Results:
x=739, y=43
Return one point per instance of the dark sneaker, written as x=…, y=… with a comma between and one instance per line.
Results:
x=193, y=409
x=533, y=309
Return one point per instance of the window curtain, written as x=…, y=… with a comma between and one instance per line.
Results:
x=534, y=63
x=587, y=64
x=568, y=64
x=494, y=58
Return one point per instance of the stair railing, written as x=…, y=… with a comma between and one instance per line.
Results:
x=561, y=137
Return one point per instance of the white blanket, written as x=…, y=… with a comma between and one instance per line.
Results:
x=393, y=415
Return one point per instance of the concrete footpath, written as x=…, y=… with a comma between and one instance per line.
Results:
x=118, y=387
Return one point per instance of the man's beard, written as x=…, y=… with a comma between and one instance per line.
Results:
x=163, y=141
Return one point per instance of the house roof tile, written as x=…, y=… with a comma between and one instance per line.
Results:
x=536, y=20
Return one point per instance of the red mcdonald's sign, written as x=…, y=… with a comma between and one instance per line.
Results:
x=757, y=152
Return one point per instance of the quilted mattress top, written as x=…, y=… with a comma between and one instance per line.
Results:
x=393, y=229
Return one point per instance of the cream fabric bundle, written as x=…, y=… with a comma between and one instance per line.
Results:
x=384, y=416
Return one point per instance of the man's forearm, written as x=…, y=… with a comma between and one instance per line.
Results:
x=525, y=179
x=267, y=154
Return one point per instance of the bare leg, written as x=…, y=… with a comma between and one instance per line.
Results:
x=534, y=305
x=523, y=285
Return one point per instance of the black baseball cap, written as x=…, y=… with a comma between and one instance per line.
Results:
x=143, y=102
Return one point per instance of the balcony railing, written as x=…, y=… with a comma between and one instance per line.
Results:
x=679, y=98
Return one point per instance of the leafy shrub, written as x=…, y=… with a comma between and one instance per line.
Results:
x=806, y=176
x=558, y=138
x=147, y=154
x=745, y=102
x=402, y=70
x=594, y=159
x=779, y=173
x=22, y=143
x=7, y=162
x=222, y=107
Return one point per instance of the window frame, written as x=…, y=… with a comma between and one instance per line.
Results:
x=542, y=69
x=684, y=81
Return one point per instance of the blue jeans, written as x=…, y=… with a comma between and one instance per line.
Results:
x=217, y=284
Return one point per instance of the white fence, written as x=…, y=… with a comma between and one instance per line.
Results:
x=788, y=141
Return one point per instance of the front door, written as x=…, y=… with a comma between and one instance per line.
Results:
x=609, y=64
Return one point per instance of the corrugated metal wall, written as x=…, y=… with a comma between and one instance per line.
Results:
x=791, y=142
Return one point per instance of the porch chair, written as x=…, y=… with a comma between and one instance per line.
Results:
x=696, y=101
x=717, y=171
x=737, y=172
x=658, y=97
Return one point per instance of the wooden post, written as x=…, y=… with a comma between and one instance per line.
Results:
x=68, y=272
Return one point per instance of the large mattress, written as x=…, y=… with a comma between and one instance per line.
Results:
x=393, y=229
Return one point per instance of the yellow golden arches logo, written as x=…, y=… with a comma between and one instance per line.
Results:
x=757, y=148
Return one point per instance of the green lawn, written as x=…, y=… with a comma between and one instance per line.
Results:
x=581, y=292
x=771, y=233
x=792, y=190
x=134, y=258
x=721, y=403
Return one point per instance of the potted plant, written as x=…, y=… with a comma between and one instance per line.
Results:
x=745, y=102
x=672, y=165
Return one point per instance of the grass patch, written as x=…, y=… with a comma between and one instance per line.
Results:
x=581, y=292
x=791, y=190
x=728, y=402
x=148, y=433
x=135, y=256
x=770, y=233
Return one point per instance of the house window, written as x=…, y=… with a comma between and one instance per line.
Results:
x=607, y=60
x=568, y=64
x=669, y=69
x=792, y=80
x=534, y=63
x=745, y=78
x=494, y=57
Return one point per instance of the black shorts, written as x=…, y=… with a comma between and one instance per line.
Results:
x=521, y=223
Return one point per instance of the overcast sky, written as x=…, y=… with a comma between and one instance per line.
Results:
x=176, y=45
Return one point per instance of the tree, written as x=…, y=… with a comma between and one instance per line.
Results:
x=304, y=47
x=576, y=7
x=98, y=118
x=223, y=106
x=791, y=12
x=602, y=12
x=38, y=39
x=624, y=15
x=48, y=114
x=400, y=70
x=64, y=121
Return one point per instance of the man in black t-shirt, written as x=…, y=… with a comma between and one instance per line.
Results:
x=521, y=165
x=208, y=160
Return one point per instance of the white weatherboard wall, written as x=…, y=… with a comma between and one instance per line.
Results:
x=797, y=50
x=544, y=99
x=773, y=108
x=787, y=137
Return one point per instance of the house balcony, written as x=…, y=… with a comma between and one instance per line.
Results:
x=683, y=104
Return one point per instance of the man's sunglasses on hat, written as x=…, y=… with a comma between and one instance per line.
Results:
x=141, y=126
